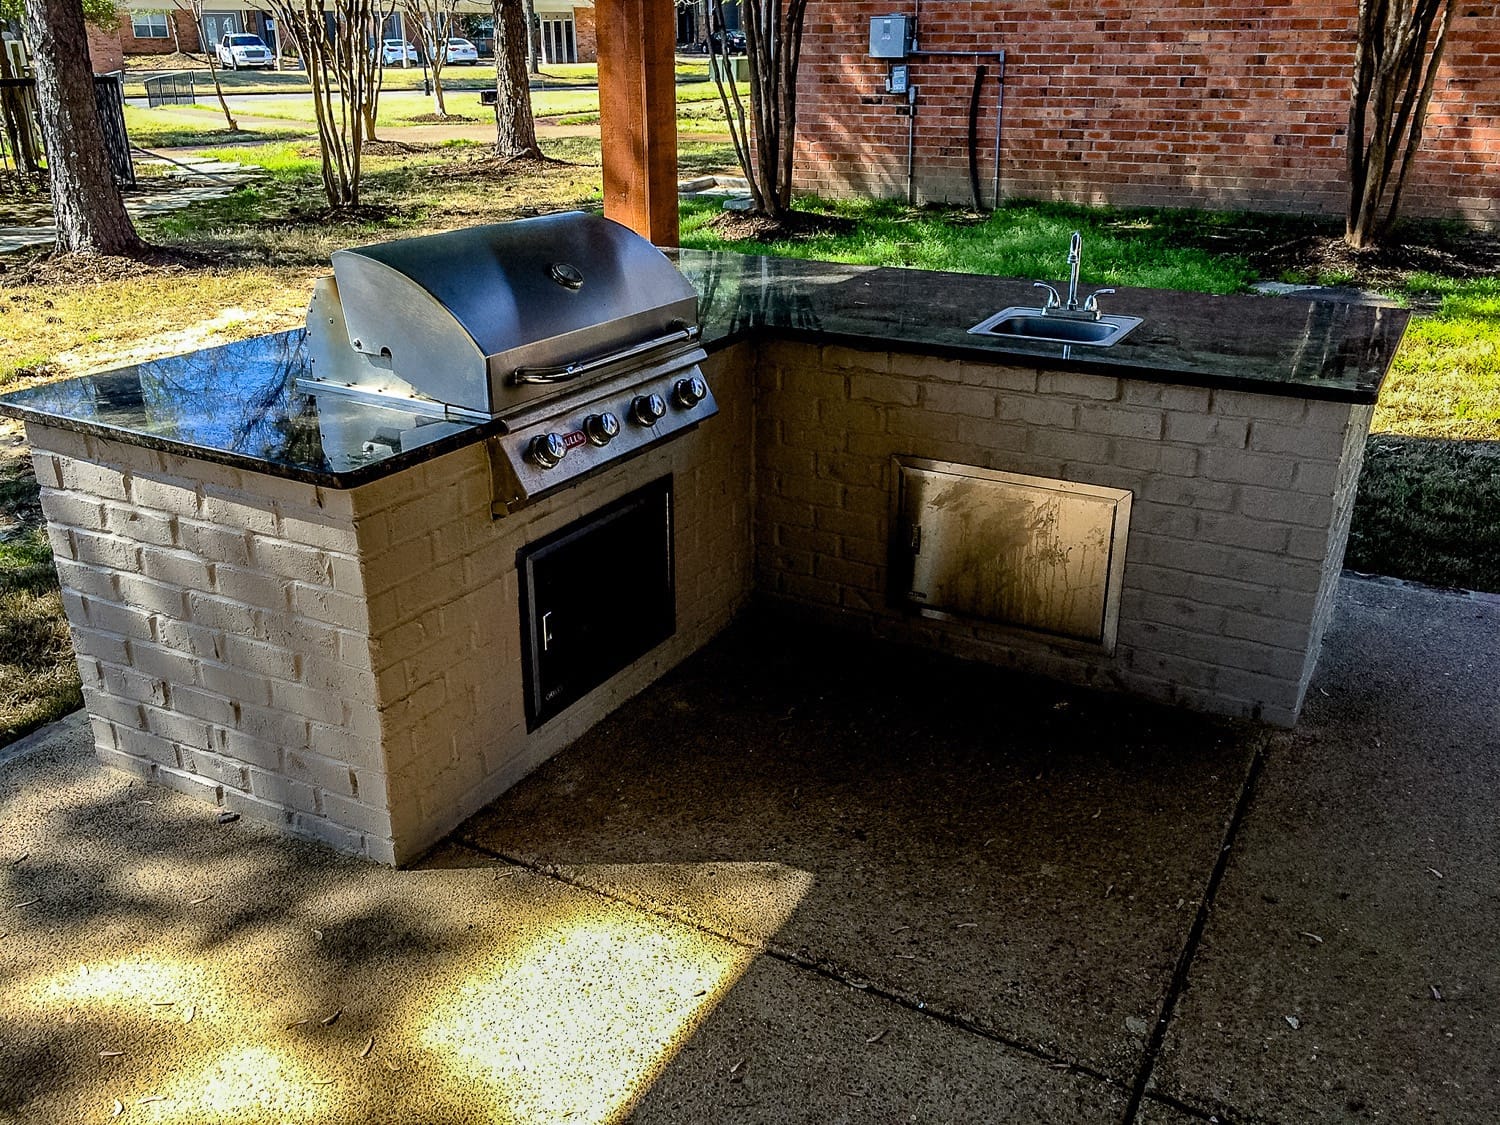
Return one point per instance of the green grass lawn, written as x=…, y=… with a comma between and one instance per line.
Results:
x=552, y=76
x=193, y=126
x=1445, y=382
x=1429, y=509
x=1019, y=240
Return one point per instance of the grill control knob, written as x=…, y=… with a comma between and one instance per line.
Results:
x=648, y=409
x=601, y=429
x=546, y=450
x=690, y=392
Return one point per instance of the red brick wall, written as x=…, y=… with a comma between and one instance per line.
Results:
x=584, y=35
x=104, y=51
x=187, y=34
x=1170, y=102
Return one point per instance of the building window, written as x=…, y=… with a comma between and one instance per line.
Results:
x=558, y=42
x=148, y=25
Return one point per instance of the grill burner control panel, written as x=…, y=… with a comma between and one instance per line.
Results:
x=563, y=441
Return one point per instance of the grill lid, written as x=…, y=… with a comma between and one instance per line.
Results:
x=458, y=315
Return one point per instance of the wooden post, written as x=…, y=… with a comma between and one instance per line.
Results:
x=638, y=114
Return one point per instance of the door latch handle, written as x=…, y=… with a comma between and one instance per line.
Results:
x=547, y=631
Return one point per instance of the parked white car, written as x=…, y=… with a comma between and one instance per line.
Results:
x=248, y=51
x=397, y=51
x=460, y=51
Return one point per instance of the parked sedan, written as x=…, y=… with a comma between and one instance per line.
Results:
x=460, y=51
x=236, y=51
x=730, y=42
x=397, y=51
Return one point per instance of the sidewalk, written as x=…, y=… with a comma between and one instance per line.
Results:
x=813, y=883
x=186, y=179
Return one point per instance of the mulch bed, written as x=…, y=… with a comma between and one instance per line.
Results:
x=373, y=147
x=42, y=267
x=443, y=119
x=736, y=226
x=488, y=163
x=1447, y=250
x=360, y=213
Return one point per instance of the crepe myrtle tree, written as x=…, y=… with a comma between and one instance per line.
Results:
x=435, y=20
x=370, y=107
x=763, y=143
x=1396, y=58
x=86, y=201
x=342, y=69
x=195, y=9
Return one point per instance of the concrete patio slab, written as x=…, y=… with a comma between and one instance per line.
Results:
x=159, y=966
x=1023, y=857
x=1351, y=970
x=725, y=940
x=791, y=1046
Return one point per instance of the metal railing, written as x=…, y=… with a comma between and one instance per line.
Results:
x=21, y=134
x=176, y=88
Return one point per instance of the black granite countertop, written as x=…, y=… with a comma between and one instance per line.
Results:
x=238, y=404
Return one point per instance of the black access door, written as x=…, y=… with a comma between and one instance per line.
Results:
x=595, y=597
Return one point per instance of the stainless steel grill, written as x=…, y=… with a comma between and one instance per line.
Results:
x=572, y=332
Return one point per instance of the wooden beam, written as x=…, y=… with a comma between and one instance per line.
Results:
x=637, y=42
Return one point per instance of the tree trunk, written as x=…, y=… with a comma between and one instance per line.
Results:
x=213, y=66
x=91, y=217
x=1398, y=50
x=515, y=128
x=764, y=142
x=533, y=39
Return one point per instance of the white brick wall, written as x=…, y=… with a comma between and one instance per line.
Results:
x=1238, y=498
x=347, y=664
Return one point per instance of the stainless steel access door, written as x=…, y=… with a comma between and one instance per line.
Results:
x=1037, y=554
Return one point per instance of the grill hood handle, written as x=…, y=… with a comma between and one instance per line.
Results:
x=524, y=376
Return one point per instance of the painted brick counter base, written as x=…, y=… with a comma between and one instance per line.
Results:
x=1241, y=509
x=347, y=663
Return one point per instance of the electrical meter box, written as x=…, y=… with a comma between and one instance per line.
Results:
x=890, y=37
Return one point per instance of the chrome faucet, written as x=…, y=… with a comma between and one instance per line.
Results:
x=1055, y=306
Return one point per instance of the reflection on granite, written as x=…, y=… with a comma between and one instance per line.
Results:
x=239, y=405
x=1277, y=345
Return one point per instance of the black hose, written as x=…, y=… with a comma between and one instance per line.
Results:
x=974, y=136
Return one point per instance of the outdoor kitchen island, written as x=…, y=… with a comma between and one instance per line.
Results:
x=303, y=608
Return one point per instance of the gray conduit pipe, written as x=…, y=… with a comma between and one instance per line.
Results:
x=999, y=56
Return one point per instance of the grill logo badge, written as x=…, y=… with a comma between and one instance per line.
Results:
x=574, y=439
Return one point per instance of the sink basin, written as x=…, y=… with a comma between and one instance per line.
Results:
x=1021, y=323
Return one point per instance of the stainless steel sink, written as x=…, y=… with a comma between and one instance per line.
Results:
x=1021, y=323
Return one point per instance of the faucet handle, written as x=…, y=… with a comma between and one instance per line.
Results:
x=1092, y=304
x=1053, y=300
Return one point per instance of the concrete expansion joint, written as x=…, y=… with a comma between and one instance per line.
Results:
x=1185, y=959
x=804, y=963
x=1053, y=1058
x=641, y=905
